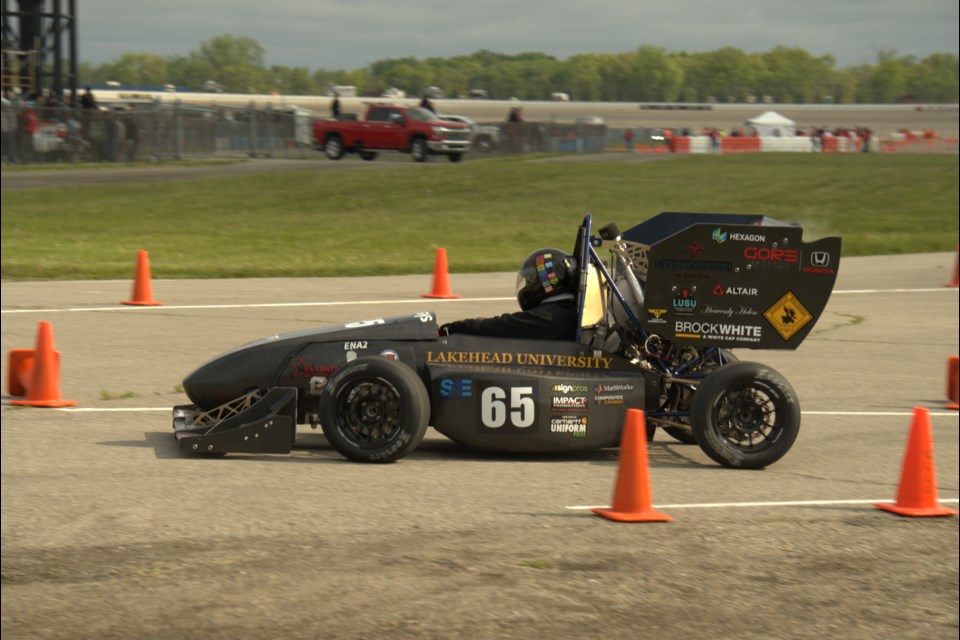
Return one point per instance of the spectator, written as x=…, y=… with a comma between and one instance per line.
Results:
x=9, y=130
x=628, y=139
x=426, y=104
x=335, y=105
x=87, y=101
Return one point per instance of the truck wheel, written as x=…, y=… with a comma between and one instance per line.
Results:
x=418, y=150
x=368, y=155
x=374, y=410
x=745, y=416
x=455, y=157
x=333, y=147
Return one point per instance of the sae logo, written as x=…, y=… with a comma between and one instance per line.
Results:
x=453, y=388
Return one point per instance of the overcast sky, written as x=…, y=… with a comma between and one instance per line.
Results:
x=350, y=34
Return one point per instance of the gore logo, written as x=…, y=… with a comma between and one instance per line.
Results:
x=771, y=254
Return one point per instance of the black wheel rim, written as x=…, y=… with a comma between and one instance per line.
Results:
x=370, y=412
x=748, y=418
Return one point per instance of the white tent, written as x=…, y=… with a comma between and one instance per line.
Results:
x=772, y=123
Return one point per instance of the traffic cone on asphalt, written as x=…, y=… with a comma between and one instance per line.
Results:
x=142, y=288
x=632, y=501
x=36, y=372
x=953, y=382
x=917, y=494
x=441, y=280
x=956, y=270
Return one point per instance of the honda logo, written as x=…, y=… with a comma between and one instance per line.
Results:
x=820, y=259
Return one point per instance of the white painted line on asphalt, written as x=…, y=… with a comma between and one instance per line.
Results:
x=345, y=303
x=944, y=288
x=264, y=305
x=735, y=505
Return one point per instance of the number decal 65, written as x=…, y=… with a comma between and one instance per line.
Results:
x=514, y=406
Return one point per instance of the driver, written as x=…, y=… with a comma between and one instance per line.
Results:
x=546, y=284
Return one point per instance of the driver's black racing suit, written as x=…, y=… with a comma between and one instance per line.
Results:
x=554, y=319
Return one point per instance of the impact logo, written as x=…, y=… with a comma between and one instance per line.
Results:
x=569, y=403
x=456, y=388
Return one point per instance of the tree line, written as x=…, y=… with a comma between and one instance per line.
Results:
x=236, y=64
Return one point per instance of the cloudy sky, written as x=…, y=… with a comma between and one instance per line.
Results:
x=350, y=34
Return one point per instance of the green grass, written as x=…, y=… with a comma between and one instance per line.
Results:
x=487, y=213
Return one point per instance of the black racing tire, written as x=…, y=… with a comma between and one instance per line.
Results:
x=333, y=147
x=745, y=416
x=684, y=435
x=374, y=410
x=418, y=150
x=369, y=156
x=455, y=157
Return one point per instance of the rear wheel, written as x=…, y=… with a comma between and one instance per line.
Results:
x=418, y=150
x=374, y=410
x=745, y=416
x=333, y=147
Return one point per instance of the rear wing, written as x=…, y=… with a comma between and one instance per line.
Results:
x=733, y=281
x=716, y=280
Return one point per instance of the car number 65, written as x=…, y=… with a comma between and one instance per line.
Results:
x=495, y=407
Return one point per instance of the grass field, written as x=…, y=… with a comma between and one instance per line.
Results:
x=487, y=213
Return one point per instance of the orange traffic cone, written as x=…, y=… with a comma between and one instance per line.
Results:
x=917, y=494
x=953, y=382
x=142, y=289
x=956, y=270
x=631, y=495
x=36, y=372
x=441, y=280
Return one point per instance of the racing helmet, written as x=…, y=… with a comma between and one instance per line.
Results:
x=545, y=273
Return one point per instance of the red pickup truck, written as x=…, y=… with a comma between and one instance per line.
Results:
x=392, y=128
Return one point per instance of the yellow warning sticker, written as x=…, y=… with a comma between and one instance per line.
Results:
x=787, y=316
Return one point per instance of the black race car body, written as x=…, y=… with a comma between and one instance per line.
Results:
x=657, y=322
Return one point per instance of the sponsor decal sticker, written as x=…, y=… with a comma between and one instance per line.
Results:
x=304, y=369
x=718, y=331
x=568, y=403
x=522, y=359
x=787, y=316
x=721, y=290
x=456, y=388
x=575, y=426
x=390, y=354
x=609, y=388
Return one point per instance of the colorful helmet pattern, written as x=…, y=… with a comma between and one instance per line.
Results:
x=545, y=273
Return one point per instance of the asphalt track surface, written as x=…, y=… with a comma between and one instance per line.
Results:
x=109, y=532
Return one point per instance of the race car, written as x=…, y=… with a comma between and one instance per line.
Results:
x=659, y=313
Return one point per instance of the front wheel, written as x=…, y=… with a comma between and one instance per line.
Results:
x=745, y=416
x=418, y=150
x=333, y=147
x=374, y=410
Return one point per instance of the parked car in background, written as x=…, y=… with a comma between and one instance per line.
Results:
x=484, y=137
x=392, y=128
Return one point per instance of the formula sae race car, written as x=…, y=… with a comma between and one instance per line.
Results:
x=658, y=318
